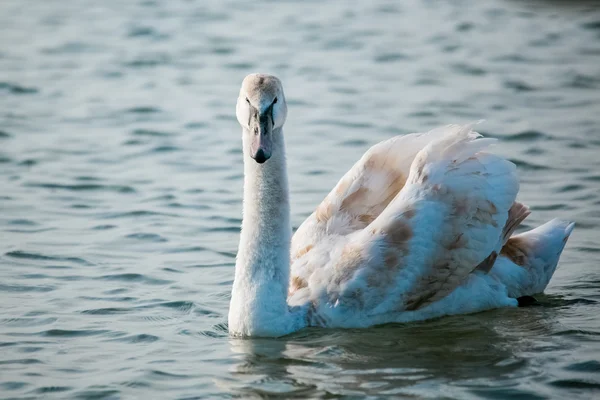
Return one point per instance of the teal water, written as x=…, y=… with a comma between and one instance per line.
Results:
x=121, y=177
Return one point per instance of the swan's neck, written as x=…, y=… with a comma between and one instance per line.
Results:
x=259, y=296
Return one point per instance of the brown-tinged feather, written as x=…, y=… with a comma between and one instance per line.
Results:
x=516, y=250
x=430, y=287
x=366, y=218
x=377, y=161
x=461, y=206
x=297, y=283
x=484, y=216
x=342, y=187
x=347, y=264
x=409, y=213
x=458, y=242
x=517, y=214
x=358, y=197
x=324, y=212
x=398, y=232
x=487, y=264
x=493, y=208
x=391, y=259
x=398, y=181
x=303, y=251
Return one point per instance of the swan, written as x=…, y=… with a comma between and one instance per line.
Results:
x=420, y=227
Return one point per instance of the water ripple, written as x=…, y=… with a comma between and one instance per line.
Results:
x=84, y=187
x=17, y=89
x=70, y=333
x=19, y=254
x=133, y=277
x=134, y=339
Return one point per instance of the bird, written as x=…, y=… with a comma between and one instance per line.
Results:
x=422, y=226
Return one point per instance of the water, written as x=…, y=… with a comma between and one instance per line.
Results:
x=121, y=178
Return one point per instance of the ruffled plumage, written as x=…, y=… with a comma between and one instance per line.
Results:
x=411, y=222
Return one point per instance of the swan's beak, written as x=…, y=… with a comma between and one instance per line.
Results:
x=261, y=141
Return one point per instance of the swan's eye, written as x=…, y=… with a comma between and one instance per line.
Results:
x=247, y=101
x=275, y=101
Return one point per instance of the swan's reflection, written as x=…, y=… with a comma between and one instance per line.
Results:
x=470, y=351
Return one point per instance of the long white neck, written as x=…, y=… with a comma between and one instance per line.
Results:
x=259, y=295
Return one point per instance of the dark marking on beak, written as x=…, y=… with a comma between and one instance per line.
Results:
x=260, y=156
x=261, y=126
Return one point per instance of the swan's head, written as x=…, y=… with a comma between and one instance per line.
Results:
x=261, y=110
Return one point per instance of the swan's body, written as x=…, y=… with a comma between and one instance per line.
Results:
x=420, y=227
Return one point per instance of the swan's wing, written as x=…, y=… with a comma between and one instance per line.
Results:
x=363, y=192
x=446, y=221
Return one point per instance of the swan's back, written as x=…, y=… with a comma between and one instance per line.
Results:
x=363, y=192
x=405, y=226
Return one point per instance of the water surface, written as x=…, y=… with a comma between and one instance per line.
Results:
x=121, y=177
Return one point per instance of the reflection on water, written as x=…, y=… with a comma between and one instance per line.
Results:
x=121, y=178
x=475, y=354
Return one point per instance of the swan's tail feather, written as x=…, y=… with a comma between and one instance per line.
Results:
x=516, y=215
x=532, y=257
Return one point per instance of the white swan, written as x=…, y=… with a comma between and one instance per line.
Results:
x=421, y=226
